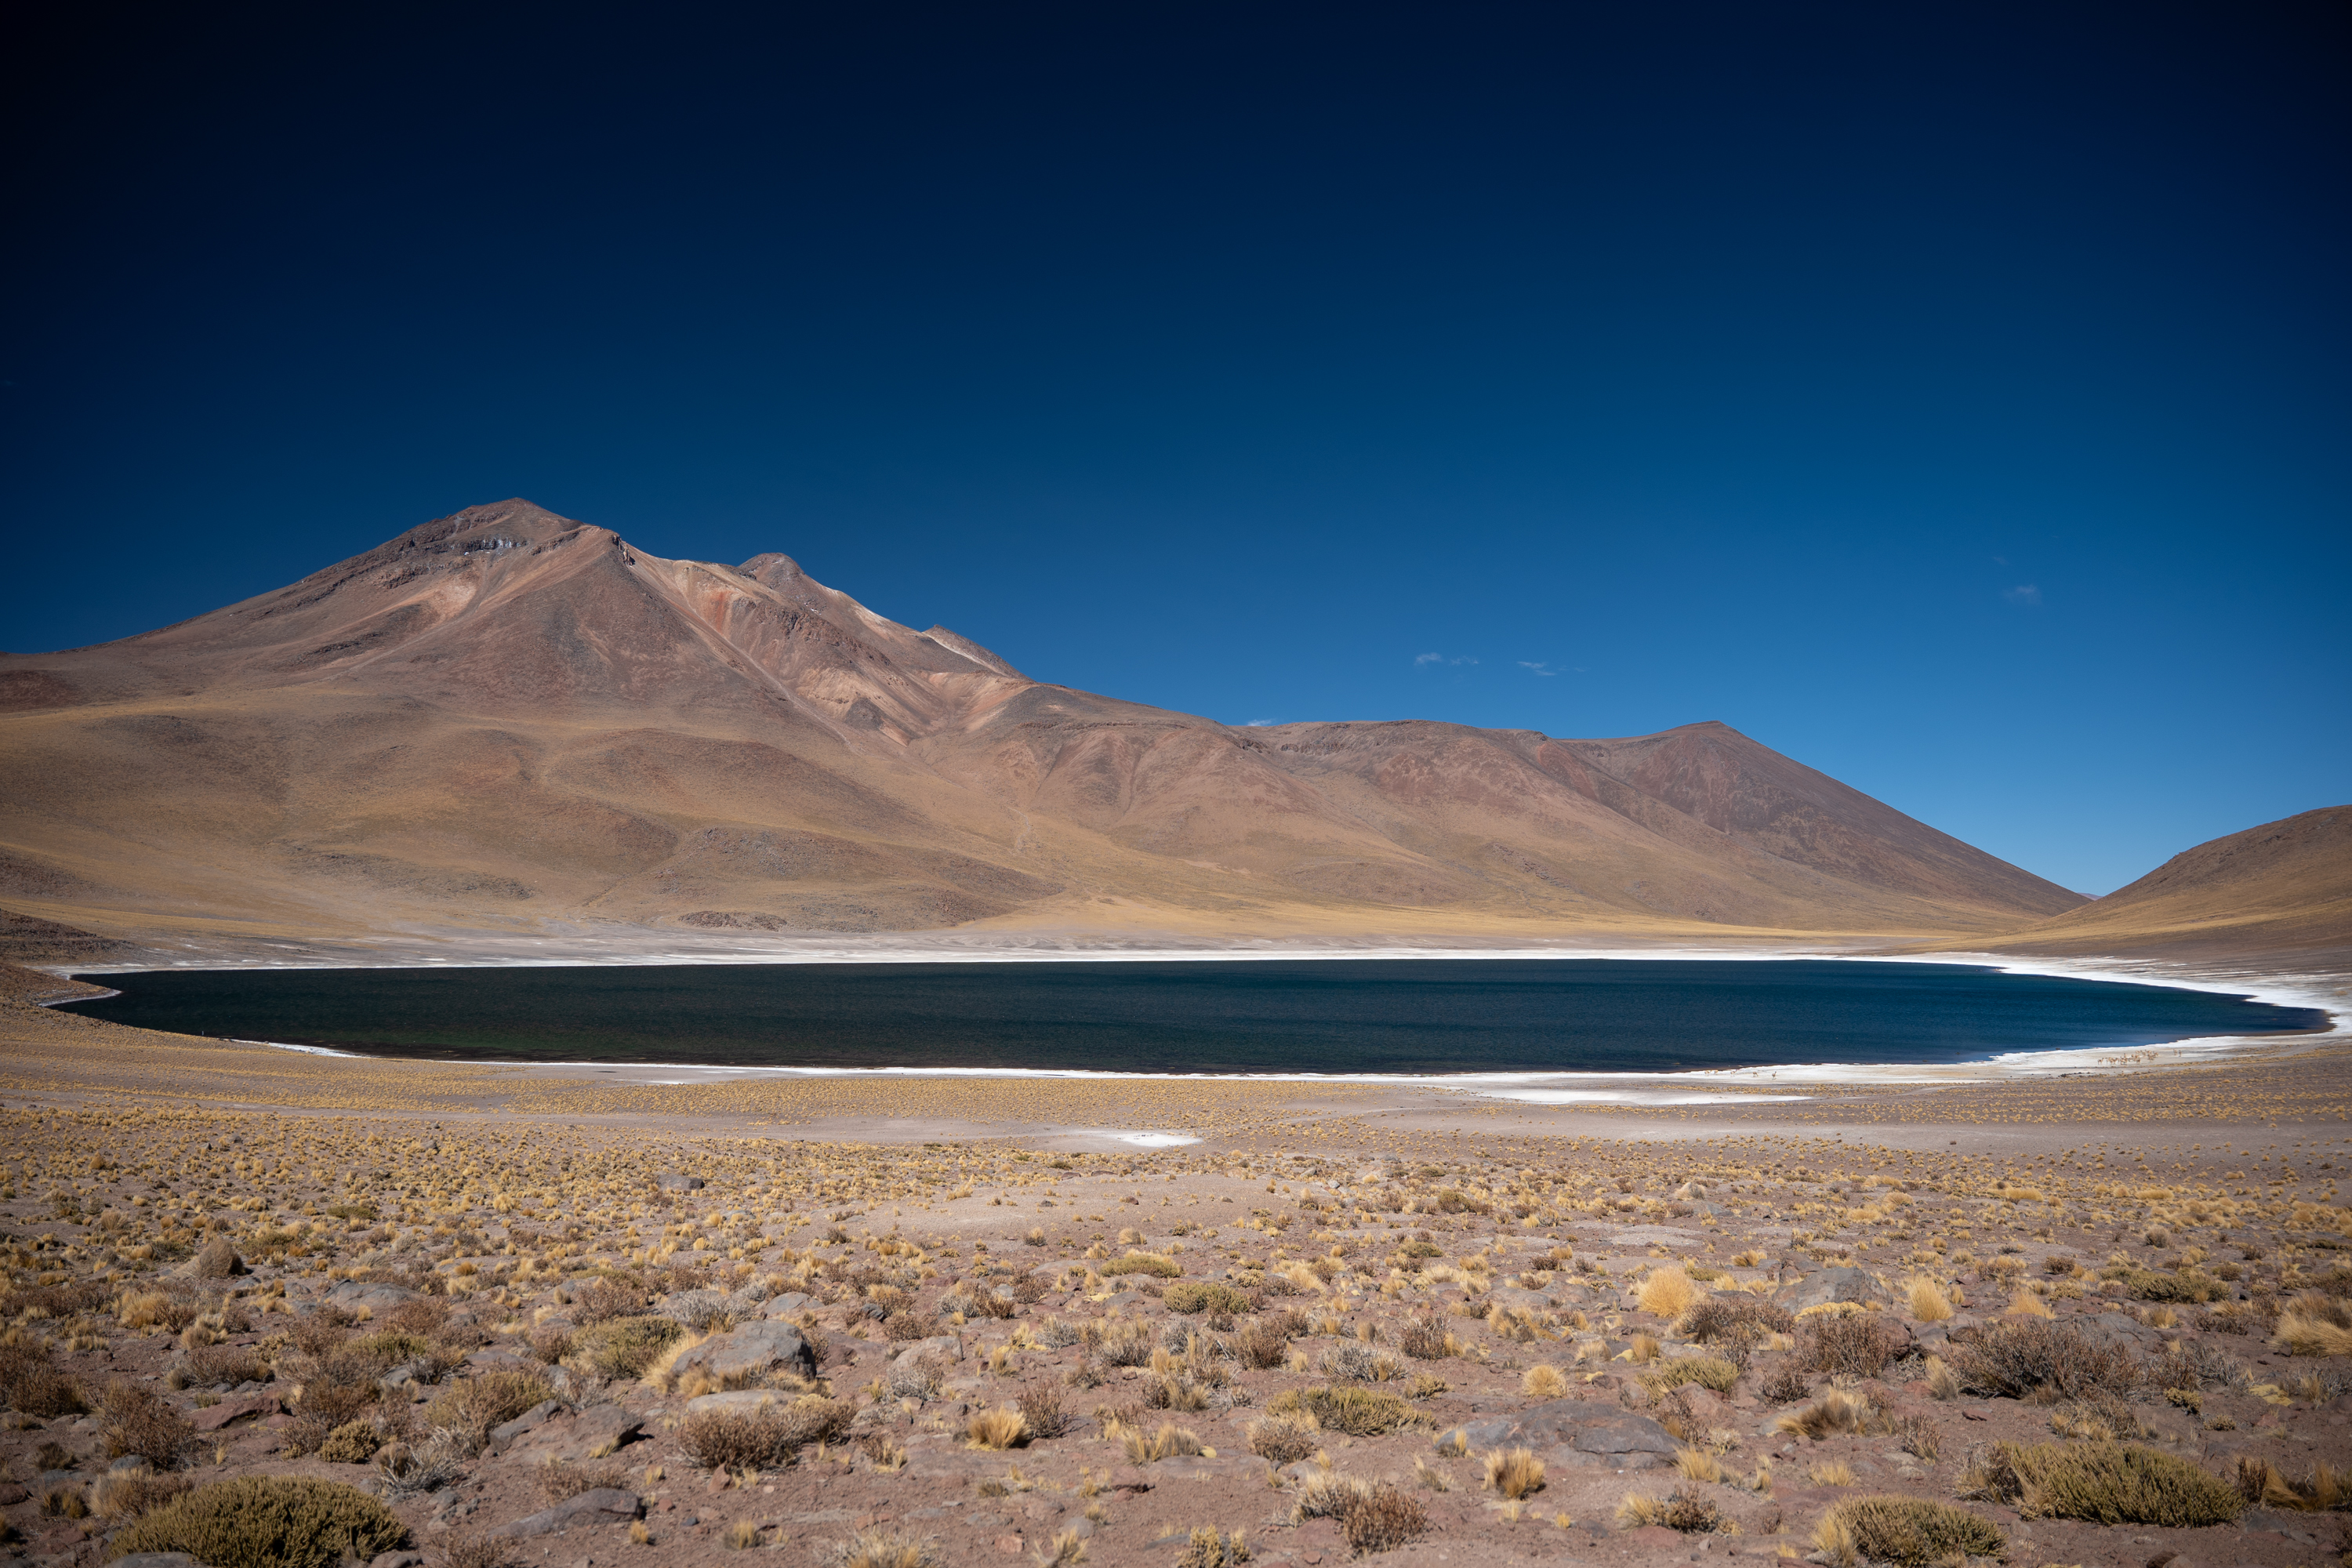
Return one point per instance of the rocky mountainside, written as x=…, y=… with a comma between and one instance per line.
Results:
x=507, y=720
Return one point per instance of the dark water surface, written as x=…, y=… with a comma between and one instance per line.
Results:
x=1342, y=1015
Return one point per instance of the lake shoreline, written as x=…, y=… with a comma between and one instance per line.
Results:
x=1752, y=1083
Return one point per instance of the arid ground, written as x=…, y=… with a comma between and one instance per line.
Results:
x=516, y=1317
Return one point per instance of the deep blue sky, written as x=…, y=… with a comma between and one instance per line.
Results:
x=1953, y=397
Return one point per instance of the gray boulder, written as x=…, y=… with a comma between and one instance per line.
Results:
x=605, y=1505
x=1829, y=1285
x=1570, y=1432
x=751, y=1350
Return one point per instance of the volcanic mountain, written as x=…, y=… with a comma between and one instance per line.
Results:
x=507, y=720
x=2281, y=892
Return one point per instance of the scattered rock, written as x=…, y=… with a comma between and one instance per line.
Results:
x=674, y=1183
x=212, y=1417
x=1827, y=1287
x=752, y=1350
x=1571, y=1427
x=605, y=1505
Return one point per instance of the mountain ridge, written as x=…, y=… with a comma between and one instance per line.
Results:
x=509, y=718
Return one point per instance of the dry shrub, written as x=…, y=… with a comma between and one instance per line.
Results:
x=2104, y=1483
x=1209, y=1548
x=557, y=1483
x=1150, y=1263
x=2152, y=1285
x=1285, y=1439
x=765, y=1437
x=353, y=1443
x=1834, y=1411
x=1686, y=1510
x=207, y=1366
x=1194, y=1296
x=623, y=1347
x=1735, y=1320
x=1374, y=1516
x=1264, y=1341
x=882, y=1549
x=2301, y=1334
x=1859, y=1344
x=1786, y=1384
x=1667, y=1292
x=486, y=1400
x=605, y=1300
x=915, y=1377
x=551, y=1344
x=128, y=1494
x=2023, y=1356
x=269, y=1521
x=1357, y=1412
x=1516, y=1473
x=2192, y=1363
x=1912, y=1531
x=1427, y=1339
x=142, y=1423
x=1706, y=1371
x=1543, y=1381
x=1122, y=1343
x=480, y=1551
x=2258, y=1482
x=1168, y=1443
x=1043, y=1412
x=999, y=1428
x=32, y=1385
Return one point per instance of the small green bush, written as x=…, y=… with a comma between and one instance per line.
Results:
x=1194, y=1296
x=1915, y=1531
x=1141, y=1263
x=353, y=1443
x=623, y=1347
x=269, y=1521
x=1357, y=1412
x=2104, y=1483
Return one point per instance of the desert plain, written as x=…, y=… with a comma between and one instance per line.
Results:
x=422, y=1312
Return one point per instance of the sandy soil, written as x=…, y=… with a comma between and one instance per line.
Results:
x=464, y=1290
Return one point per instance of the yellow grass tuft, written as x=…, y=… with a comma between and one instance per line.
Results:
x=1666, y=1293
x=1543, y=1381
x=2301, y=1335
x=1004, y=1427
x=1516, y=1473
x=1697, y=1465
x=1927, y=1298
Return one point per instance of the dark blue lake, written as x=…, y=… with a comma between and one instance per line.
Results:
x=1349, y=1016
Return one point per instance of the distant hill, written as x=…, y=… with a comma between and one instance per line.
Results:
x=2278, y=893
x=508, y=720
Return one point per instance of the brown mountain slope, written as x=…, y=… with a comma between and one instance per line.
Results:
x=505, y=720
x=2279, y=892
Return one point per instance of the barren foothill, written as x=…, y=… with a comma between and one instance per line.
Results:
x=529, y=1317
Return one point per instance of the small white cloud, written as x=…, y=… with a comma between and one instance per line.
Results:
x=2025, y=595
x=1262, y=723
x=1542, y=668
x=1421, y=659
